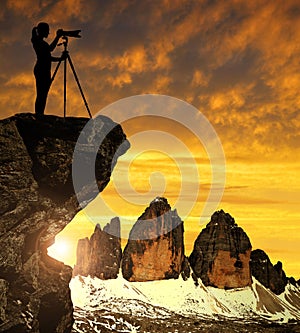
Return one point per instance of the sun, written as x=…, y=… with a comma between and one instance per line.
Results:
x=59, y=250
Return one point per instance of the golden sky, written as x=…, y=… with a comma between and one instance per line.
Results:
x=237, y=62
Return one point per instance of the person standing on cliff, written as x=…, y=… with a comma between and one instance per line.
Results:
x=42, y=68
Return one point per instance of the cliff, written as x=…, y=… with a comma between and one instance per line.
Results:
x=221, y=254
x=37, y=201
x=155, y=249
x=100, y=255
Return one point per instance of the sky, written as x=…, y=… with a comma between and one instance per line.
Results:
x=237, y=62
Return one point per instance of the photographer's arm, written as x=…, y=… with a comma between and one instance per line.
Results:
x=63, y=57
x=56, y=59
x=59, y=33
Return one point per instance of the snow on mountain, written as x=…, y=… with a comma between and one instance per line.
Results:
x=160, y=299
x=291, y=296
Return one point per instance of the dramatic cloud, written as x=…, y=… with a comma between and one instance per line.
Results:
x=236, y=61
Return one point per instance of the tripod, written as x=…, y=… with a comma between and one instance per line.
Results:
x=68, y=58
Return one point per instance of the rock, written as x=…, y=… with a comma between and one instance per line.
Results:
x=186, y=269
x=221, y=254
x=155, y=249
x=83, y=253
x=101, y=255
x=272, y=277
x=293, y=281
x=37, y=201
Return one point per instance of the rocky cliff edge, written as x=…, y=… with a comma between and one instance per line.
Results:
x=37, y=201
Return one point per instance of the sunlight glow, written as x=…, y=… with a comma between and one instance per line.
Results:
x=59, y=250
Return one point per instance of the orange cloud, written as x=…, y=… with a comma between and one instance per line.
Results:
x=21, y=79
x=199, y=79
x=162, y=83
x=133, y=60
x=27, y=7
x=120, y=80
x=65, y=9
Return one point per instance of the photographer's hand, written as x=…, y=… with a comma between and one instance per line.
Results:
x=59, y=33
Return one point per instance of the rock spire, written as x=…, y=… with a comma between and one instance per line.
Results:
x=155, y=249
x=221, y=253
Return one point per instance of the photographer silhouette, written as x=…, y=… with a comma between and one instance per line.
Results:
x=42, y=68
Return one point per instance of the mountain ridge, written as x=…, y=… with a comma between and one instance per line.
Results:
x=234, y=267
x=254, y=302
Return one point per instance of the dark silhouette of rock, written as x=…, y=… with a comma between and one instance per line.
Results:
x=293, y=281
x=37, y=201
x=101, y=255
x=221, y=253
x=155, y=249
x=272, y=277
x=186, y=269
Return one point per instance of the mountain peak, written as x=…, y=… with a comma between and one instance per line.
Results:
x=97, y=227
x=221, y=253
x=100, y=255
x=158, y=207
x=269, y=275
x=159, y=199
x=222, y=218
x=155, y=249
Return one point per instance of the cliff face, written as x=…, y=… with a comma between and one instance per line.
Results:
x=221, y=254
x=272, y=277
x=37, y=201
x=155, y=248
x=101, y=255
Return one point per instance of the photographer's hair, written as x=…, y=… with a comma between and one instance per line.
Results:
x=43, y=28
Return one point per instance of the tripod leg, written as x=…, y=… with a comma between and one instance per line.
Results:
x=79, y=86
x=65, y=88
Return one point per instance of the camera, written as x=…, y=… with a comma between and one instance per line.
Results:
x=71, y=33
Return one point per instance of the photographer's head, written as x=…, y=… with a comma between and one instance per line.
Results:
x=43, y=29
